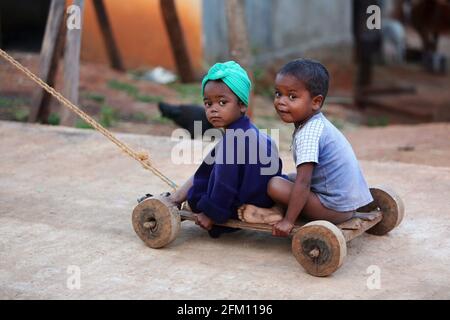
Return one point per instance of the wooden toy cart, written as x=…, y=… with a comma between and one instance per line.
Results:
x=319, y=246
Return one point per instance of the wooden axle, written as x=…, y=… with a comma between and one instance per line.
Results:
x=149, y=224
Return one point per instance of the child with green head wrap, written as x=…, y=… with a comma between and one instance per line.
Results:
x=219, y=187
x=226, y=92
x=234, y=76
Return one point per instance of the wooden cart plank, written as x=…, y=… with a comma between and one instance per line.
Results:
x=350, y=229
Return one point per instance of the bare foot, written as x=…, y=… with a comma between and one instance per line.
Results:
x=253, y=214
x=204, y=221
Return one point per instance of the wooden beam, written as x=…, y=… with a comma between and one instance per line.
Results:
x=189, y=216
x=108, y=36
x=361, y=226
x=238, y=42
x=177, y=41
x=52, y=47
x=72, y=68
x=350, y=229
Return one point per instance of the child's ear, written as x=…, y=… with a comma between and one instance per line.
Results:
x=242, y=106
x=317, y=102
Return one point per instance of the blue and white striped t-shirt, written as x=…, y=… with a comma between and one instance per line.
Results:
x=337, y=178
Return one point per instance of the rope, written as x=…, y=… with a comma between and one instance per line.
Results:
x=141, y=158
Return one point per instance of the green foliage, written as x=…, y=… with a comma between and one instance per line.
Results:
x=94, y=96
x=139, y=117
x=15, y=108
x=160, y=119
x=7, y=102
x=133, y=92
x=54, y=119
x=337, y=123
x=258, y=73
x=381, y=121
x=148, y=99
x=108, y=116
x=21, y=114
x=190, y=92
x=130, y=89
x=81, y=124
x=260, y=85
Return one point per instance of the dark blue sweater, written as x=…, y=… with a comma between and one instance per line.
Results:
x=238, y=173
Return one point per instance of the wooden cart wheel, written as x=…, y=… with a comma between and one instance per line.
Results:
x=392, y=207
x=155, y=222
x=320, y=248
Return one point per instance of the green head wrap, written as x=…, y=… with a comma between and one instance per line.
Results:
x=234, y=76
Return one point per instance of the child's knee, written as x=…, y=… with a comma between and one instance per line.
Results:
x=270, y=186
x=274, y=186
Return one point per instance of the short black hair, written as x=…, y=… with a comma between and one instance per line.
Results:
x=312, y=73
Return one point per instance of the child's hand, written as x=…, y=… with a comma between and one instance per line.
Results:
x=172, y=199
x=203, y=221
x=282, y=228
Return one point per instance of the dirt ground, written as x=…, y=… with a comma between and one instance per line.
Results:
x=426, y=144
x=66, y=197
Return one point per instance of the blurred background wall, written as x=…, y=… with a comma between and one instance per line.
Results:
x=279, y=28
x=140, y=33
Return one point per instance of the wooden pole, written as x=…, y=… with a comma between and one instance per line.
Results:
x=177, y=41
x=238, y=42
x=108, y=36
x=0, y=29
x=52, y=47
x=72, y=68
